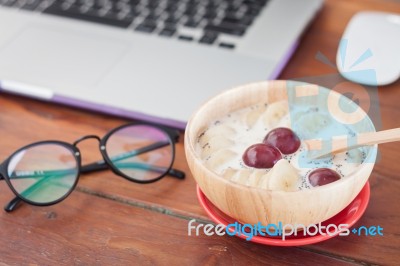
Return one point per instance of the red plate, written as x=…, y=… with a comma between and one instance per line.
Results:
x=350, y=215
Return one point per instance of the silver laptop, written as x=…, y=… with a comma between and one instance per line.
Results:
x=156, y=60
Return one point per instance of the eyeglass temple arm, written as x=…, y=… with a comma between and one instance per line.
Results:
x=98, y=167
x=15, y=201
x=92, y=167
x=12, y=204
x=101, y=165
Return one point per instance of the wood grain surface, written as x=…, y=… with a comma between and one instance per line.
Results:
x=109, y=220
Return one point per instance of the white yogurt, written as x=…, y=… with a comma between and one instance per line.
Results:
x=305, y=122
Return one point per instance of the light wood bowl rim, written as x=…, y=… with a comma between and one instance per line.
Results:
x=190, y=141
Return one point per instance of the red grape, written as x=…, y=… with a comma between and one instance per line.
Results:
x=284, y=139
x=261, y=156
x=322, y=176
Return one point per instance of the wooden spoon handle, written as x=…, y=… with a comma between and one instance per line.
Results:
x=379, y=137
x=343, y=143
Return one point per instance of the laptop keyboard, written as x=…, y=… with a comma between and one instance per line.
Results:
x=203, y=21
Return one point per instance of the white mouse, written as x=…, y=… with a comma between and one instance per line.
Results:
x=371, y=45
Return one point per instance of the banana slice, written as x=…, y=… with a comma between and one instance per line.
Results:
x=218, y=158
x=216, y=130
x=283, y=176
x=274, y=113
x=311, y=124
x=257, y=177
x=355, y=156
x=228, y=173
x=285, y=122
x=263, y=183
x=248, y=177
x=242, y=176
x=215, y=144
x=251, y=117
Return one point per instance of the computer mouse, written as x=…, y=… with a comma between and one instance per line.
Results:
x=369, y=49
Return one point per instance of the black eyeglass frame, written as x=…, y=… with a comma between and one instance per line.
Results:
x=173, y=137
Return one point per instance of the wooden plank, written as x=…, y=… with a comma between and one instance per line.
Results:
x=179, y=196
x=89, y=230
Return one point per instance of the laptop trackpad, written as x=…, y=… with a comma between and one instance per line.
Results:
x=63, y=57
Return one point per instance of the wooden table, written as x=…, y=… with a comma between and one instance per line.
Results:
x=109, y=220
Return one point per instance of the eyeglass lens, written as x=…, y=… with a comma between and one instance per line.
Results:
x=140, y=152
x=43, y=173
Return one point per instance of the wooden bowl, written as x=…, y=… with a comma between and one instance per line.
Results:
x=252, y=205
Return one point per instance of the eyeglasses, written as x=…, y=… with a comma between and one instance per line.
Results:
x=45, y=173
